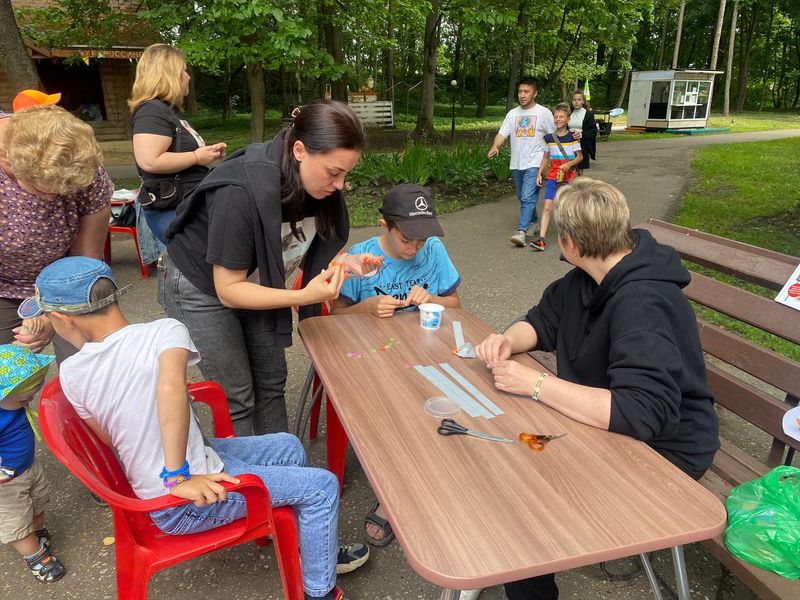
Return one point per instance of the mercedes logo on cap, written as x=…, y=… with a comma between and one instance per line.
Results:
x=420, y=203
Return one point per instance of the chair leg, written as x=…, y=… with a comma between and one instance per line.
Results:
x=651, y=576
x=681, y=576
x=132, y=581
x=299, y=423
x=286, y=552
x=313, y=426
x=336, y=443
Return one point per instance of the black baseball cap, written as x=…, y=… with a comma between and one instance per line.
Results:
x=412, y=209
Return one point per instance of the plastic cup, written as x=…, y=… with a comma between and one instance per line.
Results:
x=441, y=407
x=430, y=315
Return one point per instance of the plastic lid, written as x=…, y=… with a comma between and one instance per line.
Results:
x=441, y=407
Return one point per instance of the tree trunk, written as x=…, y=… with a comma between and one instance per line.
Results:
x=388, y=55
x=516, y=56
x=662, y=42
x=14, y=58
x=729, y=71
x=191, y=97
x=717, y=35
x=333, y=43
x=625, y=81
x=425, y=128
x=771, y=67
x=483, y=86
x=744, y=65
x=678, y=35
x=255, y=82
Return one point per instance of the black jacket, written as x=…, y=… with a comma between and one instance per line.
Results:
x=256, y=169
x=588, y=139
x=636, y=335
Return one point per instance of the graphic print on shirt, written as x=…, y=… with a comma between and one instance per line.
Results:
x=525, y=126
x=401, y=291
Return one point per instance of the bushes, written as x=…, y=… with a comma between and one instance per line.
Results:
x=461, y=166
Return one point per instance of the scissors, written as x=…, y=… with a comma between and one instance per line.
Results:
x=450, y=427
x=537, y=441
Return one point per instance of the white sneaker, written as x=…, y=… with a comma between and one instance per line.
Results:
x=518, y=239
x=470, y=594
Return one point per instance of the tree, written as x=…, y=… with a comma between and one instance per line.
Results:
x=14, y=58
x=717, y=35
x=425, y=128
x=678, y=36
x=729, y=71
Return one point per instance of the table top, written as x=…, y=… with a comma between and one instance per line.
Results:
x=473, y=513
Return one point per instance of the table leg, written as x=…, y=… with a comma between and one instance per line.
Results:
x=651, y=576
x=450, y=594
x=299, y=421
x=681, y=577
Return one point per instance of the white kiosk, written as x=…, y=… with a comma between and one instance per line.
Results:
x=675, y=99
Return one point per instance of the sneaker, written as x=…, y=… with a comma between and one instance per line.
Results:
x=351, y=556
x=44, y=566
x=518, y=239
x=470, y=594
x=538, y=244
x=338, y=594
x=43, y=537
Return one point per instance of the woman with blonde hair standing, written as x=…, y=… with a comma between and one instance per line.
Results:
x=54, y=202
x=171, y=157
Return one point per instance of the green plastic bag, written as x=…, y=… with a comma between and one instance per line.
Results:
x=764, y=521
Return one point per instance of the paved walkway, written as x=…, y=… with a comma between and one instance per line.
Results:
x=500, y=282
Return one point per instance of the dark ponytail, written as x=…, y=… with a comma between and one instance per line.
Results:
x=322, y=126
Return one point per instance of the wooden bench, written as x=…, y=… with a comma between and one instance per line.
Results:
x=374, y=113
x=739, y=369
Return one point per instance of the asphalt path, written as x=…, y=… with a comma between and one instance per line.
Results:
x=500, y=282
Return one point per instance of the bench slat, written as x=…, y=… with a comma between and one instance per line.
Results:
x=759, y=362
x=753, y=405
x=758, y=311
x=758, y=265
x=735, y=466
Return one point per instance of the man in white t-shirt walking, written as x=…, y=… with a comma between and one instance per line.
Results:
x=526, y=125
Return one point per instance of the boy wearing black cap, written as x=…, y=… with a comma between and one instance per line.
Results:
x=416, y=267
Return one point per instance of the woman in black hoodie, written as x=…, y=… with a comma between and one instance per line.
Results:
x=629, y=354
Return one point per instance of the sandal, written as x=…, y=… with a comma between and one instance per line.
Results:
x=383, y=524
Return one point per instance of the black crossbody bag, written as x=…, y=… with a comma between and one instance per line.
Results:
x=164, y=193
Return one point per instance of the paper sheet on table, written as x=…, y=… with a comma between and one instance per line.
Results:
x=790, y=294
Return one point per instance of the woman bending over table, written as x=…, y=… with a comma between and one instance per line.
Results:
x=254, y=220
x=629, y=355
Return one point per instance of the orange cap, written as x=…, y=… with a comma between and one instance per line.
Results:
x=28, y=98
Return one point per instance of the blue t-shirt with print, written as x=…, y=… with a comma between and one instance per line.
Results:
x=430, y=269
x=17, y=444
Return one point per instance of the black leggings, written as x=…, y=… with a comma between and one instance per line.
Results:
x=542, y=587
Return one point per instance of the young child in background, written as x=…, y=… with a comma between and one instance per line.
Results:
x=24, y=490
x=416, y=268
x=563, y=155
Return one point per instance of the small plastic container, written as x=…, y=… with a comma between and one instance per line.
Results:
x=441, y=407
x=430, y=315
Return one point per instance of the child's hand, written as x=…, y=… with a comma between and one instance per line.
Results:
x=33, y=341
x=383, y=305
x=417, y=295
x=203, y=489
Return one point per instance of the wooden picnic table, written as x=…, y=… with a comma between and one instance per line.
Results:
x=472, y=513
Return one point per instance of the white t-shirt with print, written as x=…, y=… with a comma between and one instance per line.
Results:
x=114, y=382
x=525, y=130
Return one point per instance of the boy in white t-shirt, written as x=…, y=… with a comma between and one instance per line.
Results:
x=128, y=381
x=526, y=126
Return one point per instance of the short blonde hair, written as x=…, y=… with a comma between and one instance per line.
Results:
x=595, y=215
x=52, y=149
x=158, y=75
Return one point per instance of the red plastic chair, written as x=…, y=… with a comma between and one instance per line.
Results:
x=336, y=441
x=141, y=548
x=131, y=231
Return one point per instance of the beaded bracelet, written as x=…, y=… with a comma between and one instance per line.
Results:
x=181, y=474
x=538, y=387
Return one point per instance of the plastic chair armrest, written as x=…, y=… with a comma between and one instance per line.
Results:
x=213, y=395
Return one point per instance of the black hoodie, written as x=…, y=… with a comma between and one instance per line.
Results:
x=636, y=335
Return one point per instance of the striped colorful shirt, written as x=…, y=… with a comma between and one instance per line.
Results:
x=571, y=147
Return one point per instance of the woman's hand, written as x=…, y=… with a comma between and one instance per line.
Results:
x=358, y=264
x=577, y=134
x=205, y=155
x=494, y=349
x=35, y=341
x=325, y=286
x=512, y=377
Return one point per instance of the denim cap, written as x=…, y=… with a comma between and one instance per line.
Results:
x=65, y=285
x=20, y=369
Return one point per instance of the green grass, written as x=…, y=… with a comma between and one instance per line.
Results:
x=744, y=192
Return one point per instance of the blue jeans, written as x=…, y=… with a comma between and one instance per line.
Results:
x=280, y=461
x=527, y=193
x=234, y=352
x=158, y=221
